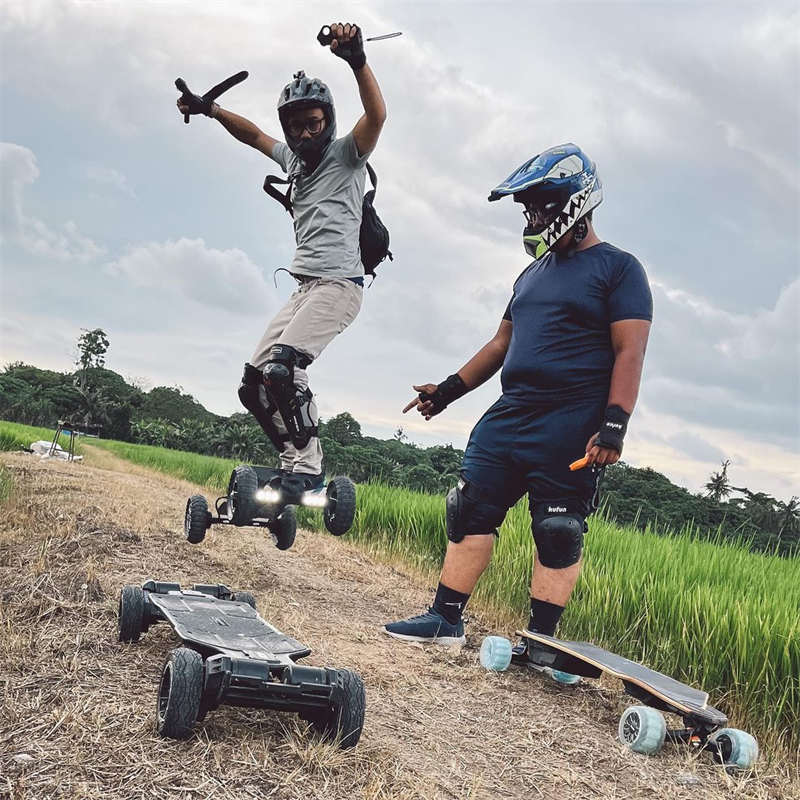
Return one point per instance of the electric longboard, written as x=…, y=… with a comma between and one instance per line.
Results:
x=264, y=497
x=641, y=728
x=231, y=656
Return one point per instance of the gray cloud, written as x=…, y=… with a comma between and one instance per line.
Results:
x=109, y=177
x=18, y=169
x=696, y=447
x=718, y=367
x=217, y=279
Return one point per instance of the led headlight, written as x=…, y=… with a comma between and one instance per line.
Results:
x=314, y=499
x=268, y=495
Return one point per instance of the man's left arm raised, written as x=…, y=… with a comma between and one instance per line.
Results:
x=348, y=45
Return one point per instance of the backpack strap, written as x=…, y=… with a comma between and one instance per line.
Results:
x=372, y=176
x=284, y=199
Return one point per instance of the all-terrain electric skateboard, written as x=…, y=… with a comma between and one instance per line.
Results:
x=641, y=728
x=266, y=497
x=231, y=656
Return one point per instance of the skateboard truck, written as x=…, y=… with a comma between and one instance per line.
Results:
x=231, y=656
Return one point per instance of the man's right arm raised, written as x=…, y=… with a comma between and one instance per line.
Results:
x=245, y=131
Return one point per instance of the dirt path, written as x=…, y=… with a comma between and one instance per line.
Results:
x=78, y=707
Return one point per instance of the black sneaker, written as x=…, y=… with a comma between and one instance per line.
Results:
x=527, y=654
x=278, y=477
x=428, y=627
x=311, y=482
x=296, y=484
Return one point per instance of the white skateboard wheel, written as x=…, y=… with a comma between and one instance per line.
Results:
x=495, y=653
x=642, y=729
x=737, y=749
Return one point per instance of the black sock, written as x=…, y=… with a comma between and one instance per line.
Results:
x=544, y=617
x=450, y=603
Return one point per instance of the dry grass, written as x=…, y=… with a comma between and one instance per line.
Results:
x=78, y=707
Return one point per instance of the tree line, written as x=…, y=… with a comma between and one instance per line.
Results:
x=169, y=417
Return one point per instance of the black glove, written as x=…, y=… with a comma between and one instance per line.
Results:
x=196, y=103
x=204, y=104
x=450, y=389
x=612, y=429
x=352, y=50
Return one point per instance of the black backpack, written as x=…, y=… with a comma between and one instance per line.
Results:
x=373, y=237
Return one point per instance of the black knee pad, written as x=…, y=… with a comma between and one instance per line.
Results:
x=251, y=376
x=296, y=416
x=249, y=388
x=558, y=534
x=254, y=399
x=468, y=512
x=292, y=403
x=279, y=370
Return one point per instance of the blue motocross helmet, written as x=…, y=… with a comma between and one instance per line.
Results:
x=558, y=187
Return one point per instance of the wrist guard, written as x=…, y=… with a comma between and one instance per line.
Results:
x=612, y=429
x=352, y=51
x=450, y=389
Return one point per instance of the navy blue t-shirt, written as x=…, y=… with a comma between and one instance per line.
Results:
x=561, y=310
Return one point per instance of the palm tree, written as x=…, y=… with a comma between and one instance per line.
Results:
x=236, y=440
x=718, y=486
x=790, y=516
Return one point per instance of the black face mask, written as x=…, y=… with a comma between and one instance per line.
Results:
x=311, y=149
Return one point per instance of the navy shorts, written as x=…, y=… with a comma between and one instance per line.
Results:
x=517, y=449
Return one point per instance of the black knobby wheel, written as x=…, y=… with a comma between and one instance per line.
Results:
x=344, y=719
x=341, y=508
x=130, y=621
x=196, y=521
x=244, y=597
x=284, y=528
x=180, y=691
x=242, y=488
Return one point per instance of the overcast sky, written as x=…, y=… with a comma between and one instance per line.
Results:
x=117, y=215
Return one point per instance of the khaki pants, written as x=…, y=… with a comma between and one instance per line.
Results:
x=315, y=313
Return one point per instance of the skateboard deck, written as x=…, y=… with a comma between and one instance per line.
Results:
x=672, y=695
x=225, y=626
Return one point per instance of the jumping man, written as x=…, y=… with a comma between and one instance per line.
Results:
x=327, y=178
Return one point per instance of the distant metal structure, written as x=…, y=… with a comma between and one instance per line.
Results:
x=74, y=429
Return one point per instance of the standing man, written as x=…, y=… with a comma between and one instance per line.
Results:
x=571, y=345
x=326, y=177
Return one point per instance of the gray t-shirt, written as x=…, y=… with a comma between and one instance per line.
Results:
x=327, y=210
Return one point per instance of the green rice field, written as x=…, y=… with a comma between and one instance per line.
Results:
x=14, y=436
x=713, y=615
